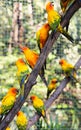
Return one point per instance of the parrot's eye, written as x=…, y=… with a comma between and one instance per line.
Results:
x=52, y=4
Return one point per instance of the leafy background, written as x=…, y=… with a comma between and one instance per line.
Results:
x=65, y=113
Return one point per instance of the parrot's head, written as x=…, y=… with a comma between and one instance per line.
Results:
x=33, y=97
x=8, y=128
x=49, y=6
x=20, y=62
x=23, y=48
x=62, y=61
x=13, y=91
x=19, y=113
x=47, y=27
x=54, y=81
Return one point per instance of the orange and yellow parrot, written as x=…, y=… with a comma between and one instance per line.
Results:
x=68, y=69
x=8, y=100
x=65, y=4
x=39, y=106
x=42, y=35
x=32, y=57
x=21, y=121
x=52, y=86
x=22, y=74
x=54, y=20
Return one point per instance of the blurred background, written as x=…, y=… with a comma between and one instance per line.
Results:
x=65, y=112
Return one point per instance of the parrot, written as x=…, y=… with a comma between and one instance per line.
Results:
x=39, y=106
x=68, y=69
x=41, y=36
x=21, y=121
x=8, y=128
x=8, y=100
x=52, y=86
x=32, y=57
x=64, y=5
x=22, y=74
x=54, y=20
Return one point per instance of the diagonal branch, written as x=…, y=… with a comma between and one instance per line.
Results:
x=53, y=97
x=31, y=81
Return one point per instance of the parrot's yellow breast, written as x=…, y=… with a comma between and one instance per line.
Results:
x=38, y=103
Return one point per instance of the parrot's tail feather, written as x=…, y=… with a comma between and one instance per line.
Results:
x=46, y=121
x=48, y=94
x=45, y=64
x=22, y=92
x=68, y=36
x=67, y=26
x=61, y=30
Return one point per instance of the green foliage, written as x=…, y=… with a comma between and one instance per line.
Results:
x=65, y=113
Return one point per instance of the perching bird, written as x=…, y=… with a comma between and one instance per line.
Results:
x=52, y=86
x=21, y=121
x=22, y=74
x=42, y=35
x=39, y=106
x=65, y=4
x=8, y=128
x=32, y=57
x=68, y=69
x=8, y=100
x=54, y=20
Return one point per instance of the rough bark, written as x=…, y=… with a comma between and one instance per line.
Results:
x=32, y=78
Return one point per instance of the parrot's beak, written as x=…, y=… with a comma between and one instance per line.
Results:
x=17, y=90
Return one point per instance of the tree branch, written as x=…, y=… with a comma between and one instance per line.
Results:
x=53, y=97
x=32, y=78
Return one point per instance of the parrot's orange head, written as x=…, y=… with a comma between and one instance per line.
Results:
x=20, y=61
x=47, y=26
x=23, y=48
x=13, y=91
x=62, y=61
x=49, y=6
x=33, y=97
x=54, y=81
x=19, y=113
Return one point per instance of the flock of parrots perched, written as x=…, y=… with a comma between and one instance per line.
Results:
x=31, y=59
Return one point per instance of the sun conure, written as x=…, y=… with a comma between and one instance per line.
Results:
x=65, y=4
x=22, y=74
x=21, y=121
x=54, y=20
x=42, y=35
x=8, y=100
x=39, y=106
x=52, y=86
x=68, y=69
x=32, y=58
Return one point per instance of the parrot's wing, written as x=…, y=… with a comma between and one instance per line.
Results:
x=38, y=39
